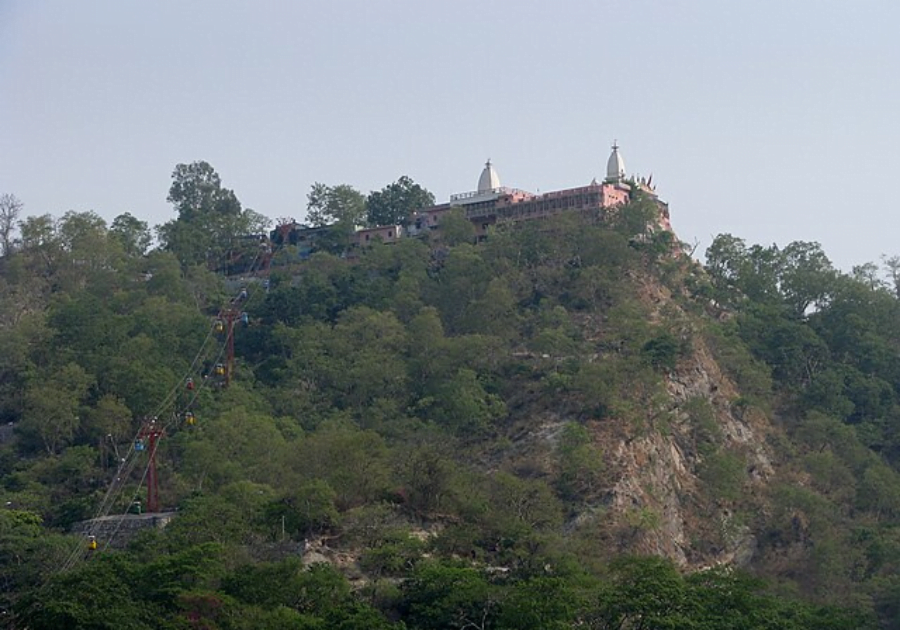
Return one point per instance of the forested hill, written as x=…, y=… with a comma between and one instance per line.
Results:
x=567, y=425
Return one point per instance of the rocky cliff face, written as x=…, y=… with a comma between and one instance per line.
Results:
x=685, y=481
x=671, y=473
x=661, y=471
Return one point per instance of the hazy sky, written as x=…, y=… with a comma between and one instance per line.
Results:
x=774, y=121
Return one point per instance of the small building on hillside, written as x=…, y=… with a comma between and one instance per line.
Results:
x=305, y=239
x=385, y=234
x=427, y=219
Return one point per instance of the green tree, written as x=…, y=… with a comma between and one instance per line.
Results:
x=133, y=234
x=440, y=596
x=464, y=406
x=456, y=228
x=210, y=519
x=644, y=593
x=52, y=406
x=210, y=218
x=395, y=203
x=807, y=276
x=892, y=267
x=663, y=351
x=366, y=345
x=738, y=271
x=237, y=444
x=341, y=208
x=539, y=603
x=96, y=595
x=463, y=279
x=427, y=476
x=29, y=554
x=109, y=417
x=307, y=511
x=352, y=461
x=636, y=218
x=342, y=205
x=10, y=209
x=41, y=245
x=528, y=503
x=287, y=583
x=580, y=462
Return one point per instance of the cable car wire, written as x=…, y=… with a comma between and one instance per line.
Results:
x=127, y=464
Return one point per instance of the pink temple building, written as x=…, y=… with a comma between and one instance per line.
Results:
x=491, y=203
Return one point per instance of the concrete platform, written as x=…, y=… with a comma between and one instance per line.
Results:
x=118, y=530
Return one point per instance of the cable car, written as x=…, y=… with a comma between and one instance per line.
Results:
x=189, y=384
x=245, y=318
x=243, y=294
x=220, y=369
x=219, y=326
x=190, y=418
x=92, y=543
x=139, y=444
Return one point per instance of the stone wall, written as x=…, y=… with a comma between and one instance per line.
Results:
x=119, y=530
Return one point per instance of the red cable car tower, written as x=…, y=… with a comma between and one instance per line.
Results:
x=230, y=315
x=152, y=431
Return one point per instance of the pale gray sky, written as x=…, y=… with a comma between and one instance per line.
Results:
x=772, y=120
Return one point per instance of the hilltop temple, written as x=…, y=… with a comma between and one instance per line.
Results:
x=492, y=203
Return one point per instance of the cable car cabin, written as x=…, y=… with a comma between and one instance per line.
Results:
x=245, y=319
x=242, y=295
x=92, y=543
x=189, y=384
x=220, y=369
x=139, y=445
x=219, y=327
x=190, y=418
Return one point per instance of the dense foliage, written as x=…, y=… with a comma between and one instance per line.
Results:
x=368, y=467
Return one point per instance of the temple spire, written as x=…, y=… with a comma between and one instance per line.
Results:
x=615, y=167
x=489, y=179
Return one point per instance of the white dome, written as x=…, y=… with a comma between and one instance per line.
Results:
x=615, y=167
x=489, y=179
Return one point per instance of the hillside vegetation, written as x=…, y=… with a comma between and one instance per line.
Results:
x=568, y=425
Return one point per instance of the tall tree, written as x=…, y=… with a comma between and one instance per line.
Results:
x=341, y=208
x=10, y=208
x=395, y=203
x=210, y=217
x=892, y=266
x=806, y=276
x=197, y=190
x=132, y=233
x=41, y=244
x=341, y=204
x=52, y=406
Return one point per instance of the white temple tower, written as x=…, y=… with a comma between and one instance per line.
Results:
x=489, y=179
x=615, y=167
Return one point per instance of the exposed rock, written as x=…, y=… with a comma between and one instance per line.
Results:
x=655, y=501
x=314, y=557
x=657, y=471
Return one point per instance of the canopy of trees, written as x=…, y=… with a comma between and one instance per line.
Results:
x=366, y=467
